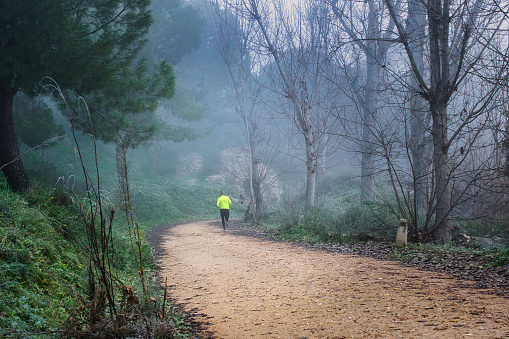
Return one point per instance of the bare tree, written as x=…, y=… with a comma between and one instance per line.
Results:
x=233, y=44
x=363, y=26
x=296, y=48
x=296, y=92
x=461, y=38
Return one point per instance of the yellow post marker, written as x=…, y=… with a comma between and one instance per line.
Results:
x=401, y=236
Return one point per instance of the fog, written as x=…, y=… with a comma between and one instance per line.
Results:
x=296, y=107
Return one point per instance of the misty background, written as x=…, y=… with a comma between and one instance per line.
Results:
x=343, y=117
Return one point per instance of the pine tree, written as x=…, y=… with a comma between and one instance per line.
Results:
x=80, y=44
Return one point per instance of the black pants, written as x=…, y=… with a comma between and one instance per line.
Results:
x=225, y=215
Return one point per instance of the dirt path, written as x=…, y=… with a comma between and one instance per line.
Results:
x=251, y=288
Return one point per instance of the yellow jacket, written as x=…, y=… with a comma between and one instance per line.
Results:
x=223, y=202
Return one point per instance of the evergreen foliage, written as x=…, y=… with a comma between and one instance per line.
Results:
x=79, y=44
x=125, y=109
x=35, y=123
x=176, y=31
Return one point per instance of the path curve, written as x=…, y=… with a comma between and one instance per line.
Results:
x=243, y=287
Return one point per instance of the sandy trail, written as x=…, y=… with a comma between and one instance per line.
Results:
x=243, y=287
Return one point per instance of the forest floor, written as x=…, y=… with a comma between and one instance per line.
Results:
x=234, y=285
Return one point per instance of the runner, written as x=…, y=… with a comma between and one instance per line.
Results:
x=224, y=202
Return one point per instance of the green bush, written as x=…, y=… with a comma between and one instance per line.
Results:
x=126, y=255
x=501, y=258
x=338, y=218
x=45, y=270
x=368, y=218
x=153, y=208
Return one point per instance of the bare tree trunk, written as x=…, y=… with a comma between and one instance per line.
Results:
x=257, y=188
x=441, y=167
x=372, y=74
x=122, y=177
x=438, y=94
x=311, y=158
x=419, y=116
x=10, y=161
x=438, y=16
x=506, y=146
x=154, y=156
x=233, y=46
x=241, y=98
x=375, y=48
x=367, y=149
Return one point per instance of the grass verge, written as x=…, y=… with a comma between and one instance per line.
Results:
x=44, y=285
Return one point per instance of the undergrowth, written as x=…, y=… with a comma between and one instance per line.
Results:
x=44, y=285
x=501, y=258
x=42, y=271
x=335, y=223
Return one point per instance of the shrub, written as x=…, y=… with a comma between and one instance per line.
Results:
x=501, y=258
x=338, y=222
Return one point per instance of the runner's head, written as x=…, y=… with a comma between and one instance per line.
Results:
x=221, y=192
